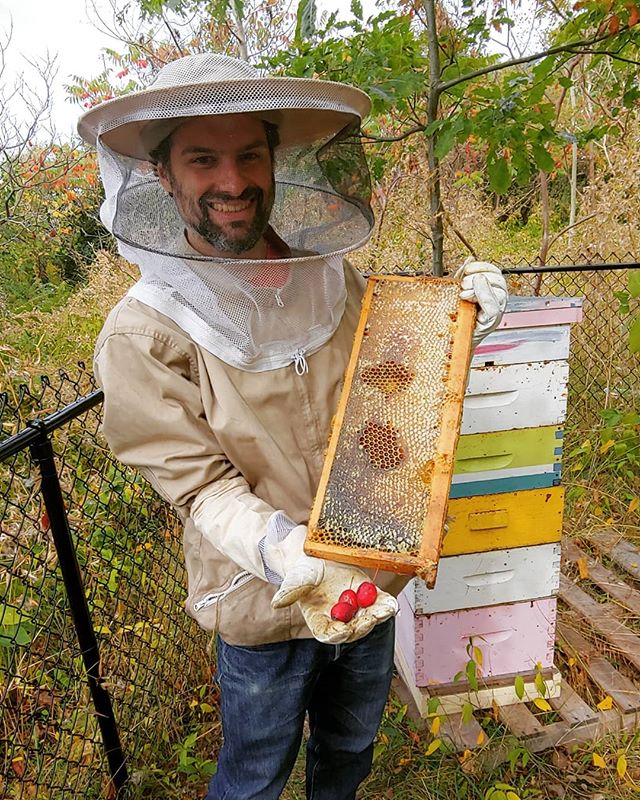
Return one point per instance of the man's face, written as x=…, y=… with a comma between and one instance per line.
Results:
x=221, y=176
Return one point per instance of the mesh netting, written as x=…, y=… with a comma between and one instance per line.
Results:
x=188, y=218
x=153, y=656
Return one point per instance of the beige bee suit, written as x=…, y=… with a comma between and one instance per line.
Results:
x=226, y=448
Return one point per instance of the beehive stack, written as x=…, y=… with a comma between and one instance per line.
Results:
x=494, y=598
x=383, y=494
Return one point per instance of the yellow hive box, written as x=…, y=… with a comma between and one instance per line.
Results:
x=383, y=493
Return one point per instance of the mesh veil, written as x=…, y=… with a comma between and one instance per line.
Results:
x=254, y=315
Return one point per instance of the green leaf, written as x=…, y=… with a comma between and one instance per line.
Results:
x=519, y=686
x=543, y=68
x=10, y=616
x=378, y=750
x=634, y=283
x=542, y=157
x=634, y=336
x=472, y=674
x=623, y=298
x=499, y=174
x=445, y=141
x=467, y=713
x=565, y=82
x=305, y=20
x=356, y=9
x=521, y=165
x=432, y=705
x=541, y=686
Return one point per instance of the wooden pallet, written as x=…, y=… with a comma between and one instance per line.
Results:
x=581, y=620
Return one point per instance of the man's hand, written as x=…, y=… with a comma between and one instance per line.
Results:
x=483, y=283
x=316, y=586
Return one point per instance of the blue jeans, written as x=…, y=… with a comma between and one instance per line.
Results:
x=265, y=693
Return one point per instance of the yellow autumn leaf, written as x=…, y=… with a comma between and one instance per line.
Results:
x=608, y=521
x=512, y=796
x=598, y=760
x=606, y=703
x=571, y=661
x=633, y=505
x=621, y=765
x=542, y=704
x=607, y=445
x=435, y=726
x=598, y=511
x=480, y=738
x=477, y=655
x=435, y=744
x=583, y=568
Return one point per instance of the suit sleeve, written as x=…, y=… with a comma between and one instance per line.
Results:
x=154, y=420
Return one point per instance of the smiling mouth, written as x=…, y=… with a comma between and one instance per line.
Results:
x=230, y=208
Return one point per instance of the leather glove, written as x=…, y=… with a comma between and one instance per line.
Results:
x=484, y=284
x=316, y=586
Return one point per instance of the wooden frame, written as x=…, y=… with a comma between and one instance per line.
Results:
x=423, y=562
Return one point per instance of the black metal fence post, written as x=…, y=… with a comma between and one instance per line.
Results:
x=43, y=455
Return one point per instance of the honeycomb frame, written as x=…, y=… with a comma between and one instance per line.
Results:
x=382, y=498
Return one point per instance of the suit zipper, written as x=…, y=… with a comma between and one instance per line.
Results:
x=210, y=599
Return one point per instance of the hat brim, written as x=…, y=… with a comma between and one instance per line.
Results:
x=304, y=110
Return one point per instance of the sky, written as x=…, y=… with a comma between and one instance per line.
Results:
x=62, y=28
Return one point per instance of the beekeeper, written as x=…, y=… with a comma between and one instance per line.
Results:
x=238, y=196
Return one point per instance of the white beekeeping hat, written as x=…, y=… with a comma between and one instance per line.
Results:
x=321, y=207
x=304, y=109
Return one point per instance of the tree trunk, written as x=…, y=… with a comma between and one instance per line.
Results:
x=240, y=32
x=545, y=212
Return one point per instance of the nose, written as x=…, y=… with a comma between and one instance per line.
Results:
x=229, y=178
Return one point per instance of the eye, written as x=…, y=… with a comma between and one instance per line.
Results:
x=251, y=155
x=204, y=160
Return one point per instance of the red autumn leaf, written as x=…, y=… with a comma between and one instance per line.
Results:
x=18, y=766
x=44, y=522
x=634, y=15
x=614, y=24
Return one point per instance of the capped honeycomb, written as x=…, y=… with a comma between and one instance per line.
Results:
x=383, y=494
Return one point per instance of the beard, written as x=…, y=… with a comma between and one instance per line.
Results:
x=237, y=237
x=240, y=238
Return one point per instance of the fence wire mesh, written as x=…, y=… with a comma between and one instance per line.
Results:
x=603, y=372
x=154, y=660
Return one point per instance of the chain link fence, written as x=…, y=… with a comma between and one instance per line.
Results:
x=604, y=373
x=154, y=663
x=153, y=659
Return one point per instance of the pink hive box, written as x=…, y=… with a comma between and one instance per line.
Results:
x=513, y=638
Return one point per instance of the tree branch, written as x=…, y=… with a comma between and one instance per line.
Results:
x=569, y=228
x=570, y=47
x=615, y=56
x=398, y=138
x=172, y=34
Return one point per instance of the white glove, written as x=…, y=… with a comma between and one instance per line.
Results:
x=484, y=284
x=316, y=586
